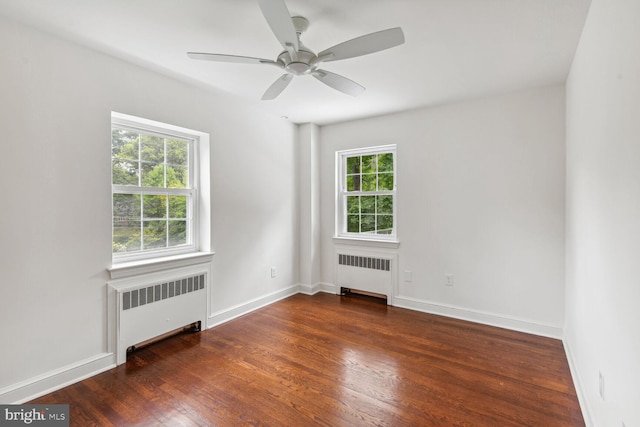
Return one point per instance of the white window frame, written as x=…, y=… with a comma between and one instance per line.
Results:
x=194, y=213
x=342, y=193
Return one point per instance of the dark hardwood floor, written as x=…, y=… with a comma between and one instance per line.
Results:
x=334, y=361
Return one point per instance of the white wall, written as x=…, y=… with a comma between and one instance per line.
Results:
x=309, y=209
x=603, y=213
x=55, y=226
x=481, y=196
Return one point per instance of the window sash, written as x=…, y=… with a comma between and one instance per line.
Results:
x=175, y=231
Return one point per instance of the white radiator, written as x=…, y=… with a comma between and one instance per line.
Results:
x=148, y=306
x=365, y=272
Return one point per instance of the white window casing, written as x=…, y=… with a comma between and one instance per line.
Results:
x=193, y=218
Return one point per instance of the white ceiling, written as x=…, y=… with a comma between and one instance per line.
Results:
x=454, y=49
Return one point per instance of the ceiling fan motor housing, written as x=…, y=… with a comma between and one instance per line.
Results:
x=298, y=66
x=298, y=63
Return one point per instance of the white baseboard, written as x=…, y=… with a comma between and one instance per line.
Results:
x=476, y=316
x=577, y=384
x=40, y=385
x=231, y=313
x=57, y=379
x=32, y=388
x=318, y=287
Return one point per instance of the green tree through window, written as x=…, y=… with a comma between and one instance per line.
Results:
x=367, y=192
x=152, y=190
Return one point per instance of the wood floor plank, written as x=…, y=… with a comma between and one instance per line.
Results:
x=334, y=361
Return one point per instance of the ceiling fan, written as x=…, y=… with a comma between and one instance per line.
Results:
x=298, y=60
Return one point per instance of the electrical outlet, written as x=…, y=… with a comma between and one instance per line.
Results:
x=273, y=272
x=448, y=279
x=408, y=276
x=601, y=385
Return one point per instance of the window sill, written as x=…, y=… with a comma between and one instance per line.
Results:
x=134, y=268
x=386, y=244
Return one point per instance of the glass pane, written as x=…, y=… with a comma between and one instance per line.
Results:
x=124, y=144
x=368, y=204
x=385, y=224
x=368, y=223
x=177, y=177
x=177, y=233
x=353, y=183
x=155, y=234
x=385, y=181
x=353, y=204
x=124, y=172
x=126, y=235
x=178, y=207
x=369, y=164
x=369, y=182
x=155, y=206
x=152, y=149
x=126, y=207
x=153, y=175
x=385, y=162
x=385, y=204
x=353, y=223
x=177, y=152
x=353, y=165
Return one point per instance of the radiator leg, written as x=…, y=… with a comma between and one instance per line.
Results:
x=196, y=327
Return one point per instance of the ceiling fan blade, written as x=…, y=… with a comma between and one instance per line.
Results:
x=338, y=82
x=229, y=58
x=277, y=87
x=279, y=19
x=364, y=45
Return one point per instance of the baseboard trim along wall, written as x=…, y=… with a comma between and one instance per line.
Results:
x=231, y=313
x=40, y=385
x=35, y=387
x=475, y=316
x=577, y=384
x=484, y=318
x=59, y=378
x=318, y=287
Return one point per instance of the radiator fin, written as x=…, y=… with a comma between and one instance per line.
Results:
x=156, y=292
x=364, y=262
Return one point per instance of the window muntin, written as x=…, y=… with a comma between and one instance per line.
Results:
x=153, y=191
x=367, y=193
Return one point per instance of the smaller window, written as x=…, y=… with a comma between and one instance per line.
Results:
x=366, y=192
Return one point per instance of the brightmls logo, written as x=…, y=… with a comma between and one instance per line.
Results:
x=36, y=415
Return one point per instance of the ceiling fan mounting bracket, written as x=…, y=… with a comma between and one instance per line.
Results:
x=300, y=23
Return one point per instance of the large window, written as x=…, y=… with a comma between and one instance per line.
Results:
x=367, y=193
x=154, y=189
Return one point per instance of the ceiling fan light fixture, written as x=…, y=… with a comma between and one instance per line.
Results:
x=298, y=68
